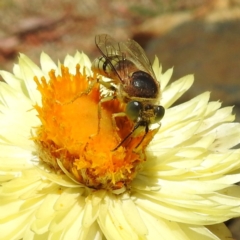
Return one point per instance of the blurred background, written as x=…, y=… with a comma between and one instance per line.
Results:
x=200, y=37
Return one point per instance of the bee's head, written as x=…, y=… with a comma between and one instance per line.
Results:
x=148, y=113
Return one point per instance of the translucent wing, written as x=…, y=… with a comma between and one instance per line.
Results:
x=123, y=52
x=108, y=46
x=139, y=57
x=115, y=53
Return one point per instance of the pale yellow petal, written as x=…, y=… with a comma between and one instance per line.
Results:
x=176, y=90
x=12, y=80
x=174, y=213
x=14, y=226
x=131, y=213
x=113, y=222
x=91, y=212
x=221, y=231
x=28, y=71
x=47, y=64
x=159, y=228
x=165, y=78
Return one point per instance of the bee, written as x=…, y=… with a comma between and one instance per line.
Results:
x=132, y=80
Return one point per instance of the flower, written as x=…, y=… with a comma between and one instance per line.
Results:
x=60, y=178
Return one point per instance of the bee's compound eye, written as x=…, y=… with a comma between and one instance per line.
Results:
x=133, y=110
x=159, y=113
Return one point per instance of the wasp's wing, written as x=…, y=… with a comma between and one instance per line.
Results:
x=138, y=56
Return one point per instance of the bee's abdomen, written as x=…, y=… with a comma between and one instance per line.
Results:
x=105, y=66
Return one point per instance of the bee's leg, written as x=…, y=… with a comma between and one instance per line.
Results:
x=138, y=124
x=106, y=99
x=107, y=85
x=145, y=134
x=114, y=115
x=86, y=92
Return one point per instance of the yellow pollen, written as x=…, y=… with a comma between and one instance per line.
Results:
x=73, y=132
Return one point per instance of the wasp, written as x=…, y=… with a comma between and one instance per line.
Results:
x=133, y=81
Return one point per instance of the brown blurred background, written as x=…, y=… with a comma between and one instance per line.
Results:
x=194, y=36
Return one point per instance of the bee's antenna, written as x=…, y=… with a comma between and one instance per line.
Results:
x=138, y=124
x=145, y=134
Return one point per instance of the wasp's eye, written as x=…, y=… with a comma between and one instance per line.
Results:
x=133, y=110
x=159, y=113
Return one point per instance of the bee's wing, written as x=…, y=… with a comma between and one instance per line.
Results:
x=138, y=56
x=114, y=52
x=108, y=46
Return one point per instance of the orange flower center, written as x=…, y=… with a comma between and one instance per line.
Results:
x=78, y=134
